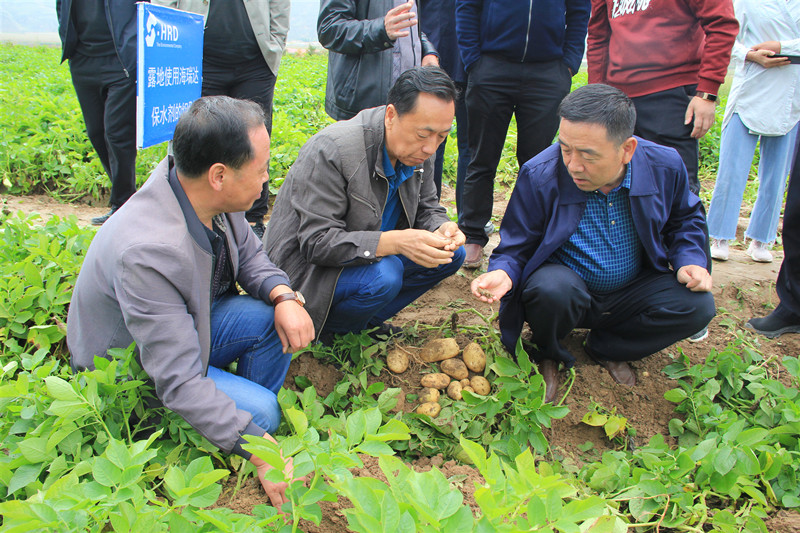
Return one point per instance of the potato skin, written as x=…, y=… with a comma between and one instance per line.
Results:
x=435, y=381
x=439, y=350
x=481, y=385
x=469, y=388
x=397, y=361
x=465, y=382
x=474, y=357
x=455, y=368
x=429, y=395
x=454, y=390
x=432, y=409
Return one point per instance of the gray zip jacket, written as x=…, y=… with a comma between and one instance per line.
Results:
x=327, y=214
x=147, y=278
x=269, y=18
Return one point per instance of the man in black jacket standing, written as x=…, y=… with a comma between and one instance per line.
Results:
x=371, y=42
x=520, y=56
x=99, y=39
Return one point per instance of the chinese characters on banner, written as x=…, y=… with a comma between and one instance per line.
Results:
x=170, y=73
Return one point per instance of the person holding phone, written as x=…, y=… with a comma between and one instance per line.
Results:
x=763, y=106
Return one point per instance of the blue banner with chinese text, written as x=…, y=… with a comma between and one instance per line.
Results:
x=169, y=70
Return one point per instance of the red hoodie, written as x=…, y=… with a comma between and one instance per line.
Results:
x=647, y=46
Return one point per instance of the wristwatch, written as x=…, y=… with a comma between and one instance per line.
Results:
x=297, y=296
x=706, y=96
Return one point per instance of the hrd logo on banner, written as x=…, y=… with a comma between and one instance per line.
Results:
x=169, y=71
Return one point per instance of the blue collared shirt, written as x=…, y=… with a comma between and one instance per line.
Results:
x=605, y=250
x=395, y=175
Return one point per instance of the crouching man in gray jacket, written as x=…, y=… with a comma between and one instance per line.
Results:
x=163, y=272
x=357, y=223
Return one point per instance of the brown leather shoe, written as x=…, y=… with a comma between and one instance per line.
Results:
x=620, y=371
x=474, y=255
x=549, y=371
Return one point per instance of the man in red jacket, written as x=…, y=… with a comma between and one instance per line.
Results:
x=670, y=57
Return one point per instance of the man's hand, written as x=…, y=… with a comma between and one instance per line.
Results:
x=398, y=19
x=696, y=278
x=764, y=57
x=703, y=113
x=450, y=231
x=275, y=491
x=425, y=248
x=491, y=286
x=430, y=60
x=295, y=328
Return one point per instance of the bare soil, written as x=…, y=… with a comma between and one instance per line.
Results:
x=742, y=289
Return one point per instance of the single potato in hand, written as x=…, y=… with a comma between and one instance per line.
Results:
x=432, y=409
x=429, y=395
x=439, y=350
x=397, y=361
x=435, y=381
x=481, y=385
x=455, y=368
x=474, y=357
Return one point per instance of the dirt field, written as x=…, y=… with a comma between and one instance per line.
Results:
x=742, y=289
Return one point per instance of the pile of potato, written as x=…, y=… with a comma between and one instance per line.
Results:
x=454, y=375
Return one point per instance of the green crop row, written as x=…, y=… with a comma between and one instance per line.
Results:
x=87, y=451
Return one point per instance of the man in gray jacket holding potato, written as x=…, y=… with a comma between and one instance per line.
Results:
x=163, y=273
x=357, y=225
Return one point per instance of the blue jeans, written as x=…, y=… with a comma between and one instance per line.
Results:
x=736, y=150
x=370, y=294
x=243, y=330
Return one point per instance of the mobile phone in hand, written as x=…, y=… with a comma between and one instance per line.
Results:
x=794, y=60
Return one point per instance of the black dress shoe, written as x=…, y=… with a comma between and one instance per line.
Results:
x=774, y=324
x=620, y=371
x=99, y=221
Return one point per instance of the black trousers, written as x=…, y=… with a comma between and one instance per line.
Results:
x=462, y=131
x=252, y=81
x=628, y=324
x=659, y=118
x=107, y=97
x=788, y=285
x=497, y=89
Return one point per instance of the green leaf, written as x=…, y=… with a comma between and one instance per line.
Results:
x=298, y=420
x=503, y=366
x=724, y=460
x=60, y=389
x=23, y=476
x=752, y=436
x=105, y=472
x=675, y=395
x=374, y=448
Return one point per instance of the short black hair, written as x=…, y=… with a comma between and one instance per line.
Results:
x=601, y=104
x=430, y=80
x=215, y=129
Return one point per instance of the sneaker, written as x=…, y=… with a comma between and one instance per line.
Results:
x=259, y=229
x=489, y=228
x=759, y=251
x=719, y=249
x=773, y=325
x=699, y=336
x=99, y=221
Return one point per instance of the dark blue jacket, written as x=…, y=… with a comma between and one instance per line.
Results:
x=523, y=30
x=546, y=206
x=121, y=17
x=438, y=21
